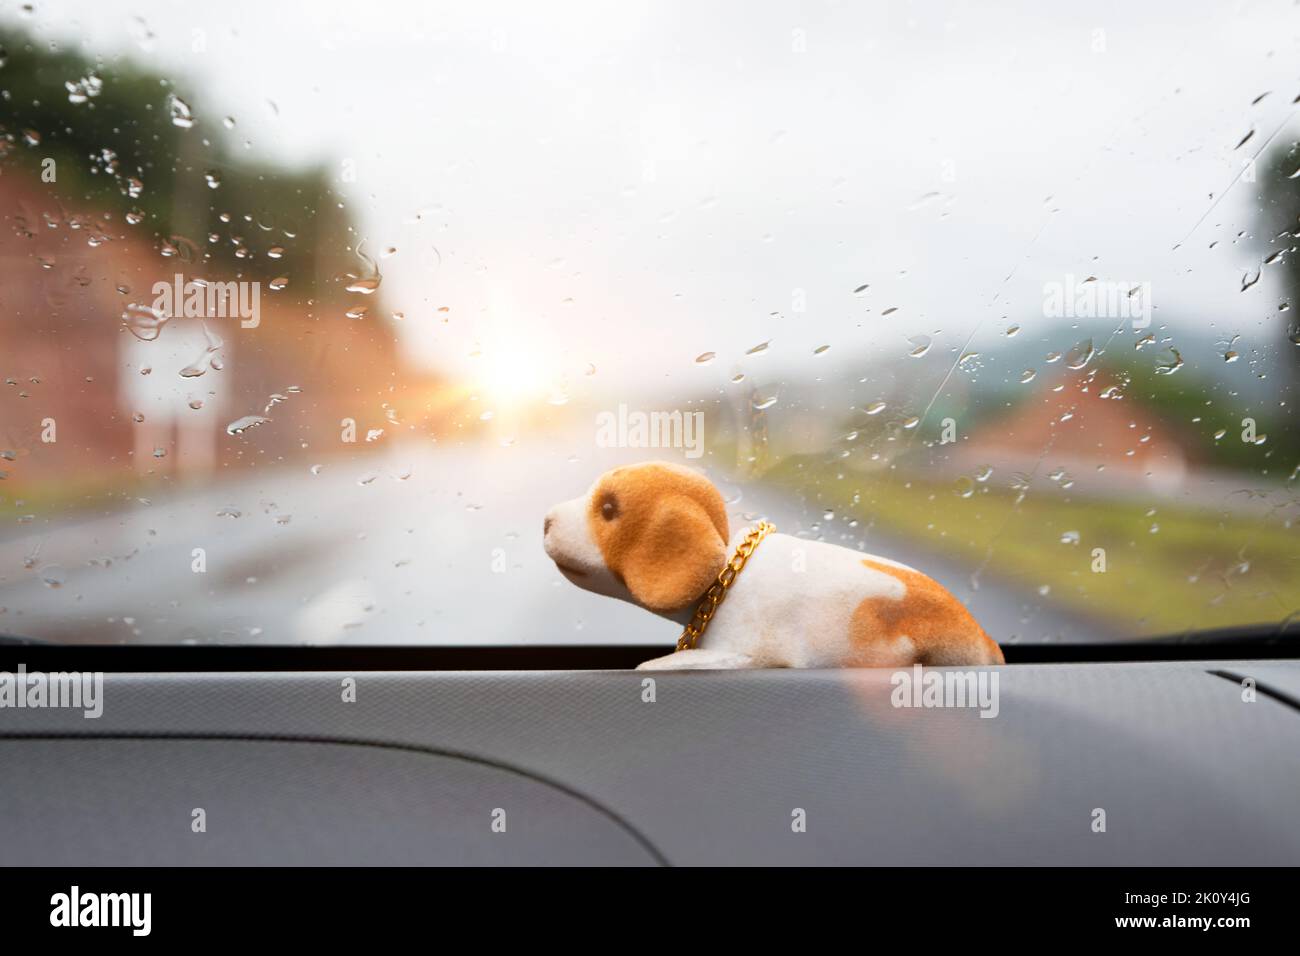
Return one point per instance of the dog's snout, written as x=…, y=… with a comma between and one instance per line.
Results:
x=546, y=524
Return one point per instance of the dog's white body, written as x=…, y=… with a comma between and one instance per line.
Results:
x=793, y=606
x=656, y=535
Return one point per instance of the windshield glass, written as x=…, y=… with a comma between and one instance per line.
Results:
x=311, y=312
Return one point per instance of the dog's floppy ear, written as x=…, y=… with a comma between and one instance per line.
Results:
x=677, y=555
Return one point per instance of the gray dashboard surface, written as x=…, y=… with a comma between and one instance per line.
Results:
x=582, y=768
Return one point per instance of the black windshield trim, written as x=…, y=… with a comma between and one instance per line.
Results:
x=122, y=658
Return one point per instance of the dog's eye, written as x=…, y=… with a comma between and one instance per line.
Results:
x=609, y=508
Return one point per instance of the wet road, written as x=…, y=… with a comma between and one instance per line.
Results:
x=413, y=546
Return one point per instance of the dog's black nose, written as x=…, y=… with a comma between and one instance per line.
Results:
x=546, y=525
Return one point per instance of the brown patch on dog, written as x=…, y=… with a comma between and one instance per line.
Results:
x=937, y=624
x=662, y=530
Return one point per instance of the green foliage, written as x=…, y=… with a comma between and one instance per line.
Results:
x=128, y=118
x=123, y=138
x=1279, y=225
x=1195, y=408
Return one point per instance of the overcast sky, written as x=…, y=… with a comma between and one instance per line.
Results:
x=628, y=185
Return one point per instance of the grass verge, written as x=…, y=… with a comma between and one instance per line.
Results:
x=1167, y=569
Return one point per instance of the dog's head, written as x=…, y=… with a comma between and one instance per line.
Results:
x=654, y=534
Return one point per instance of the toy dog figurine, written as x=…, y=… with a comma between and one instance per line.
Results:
x=656, y=534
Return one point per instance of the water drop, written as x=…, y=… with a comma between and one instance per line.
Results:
x=144, y=322
x=180, y=111
x=368, y=281
x=241, y=425
x=1080, y=355
x=364, y=286
x=1169, y=362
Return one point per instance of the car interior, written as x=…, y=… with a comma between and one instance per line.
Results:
x=657, y=434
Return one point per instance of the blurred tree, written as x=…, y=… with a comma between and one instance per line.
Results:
x=126, y=139
x=1198, y=408
x=1279, y=226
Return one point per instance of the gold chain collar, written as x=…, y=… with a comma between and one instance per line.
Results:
x=708, y=605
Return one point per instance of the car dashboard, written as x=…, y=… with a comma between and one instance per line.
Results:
x=1084, y=762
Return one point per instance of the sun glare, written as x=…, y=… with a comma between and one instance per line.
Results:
x=510, y=377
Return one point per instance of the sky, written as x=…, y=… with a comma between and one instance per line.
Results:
x=599, y=193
